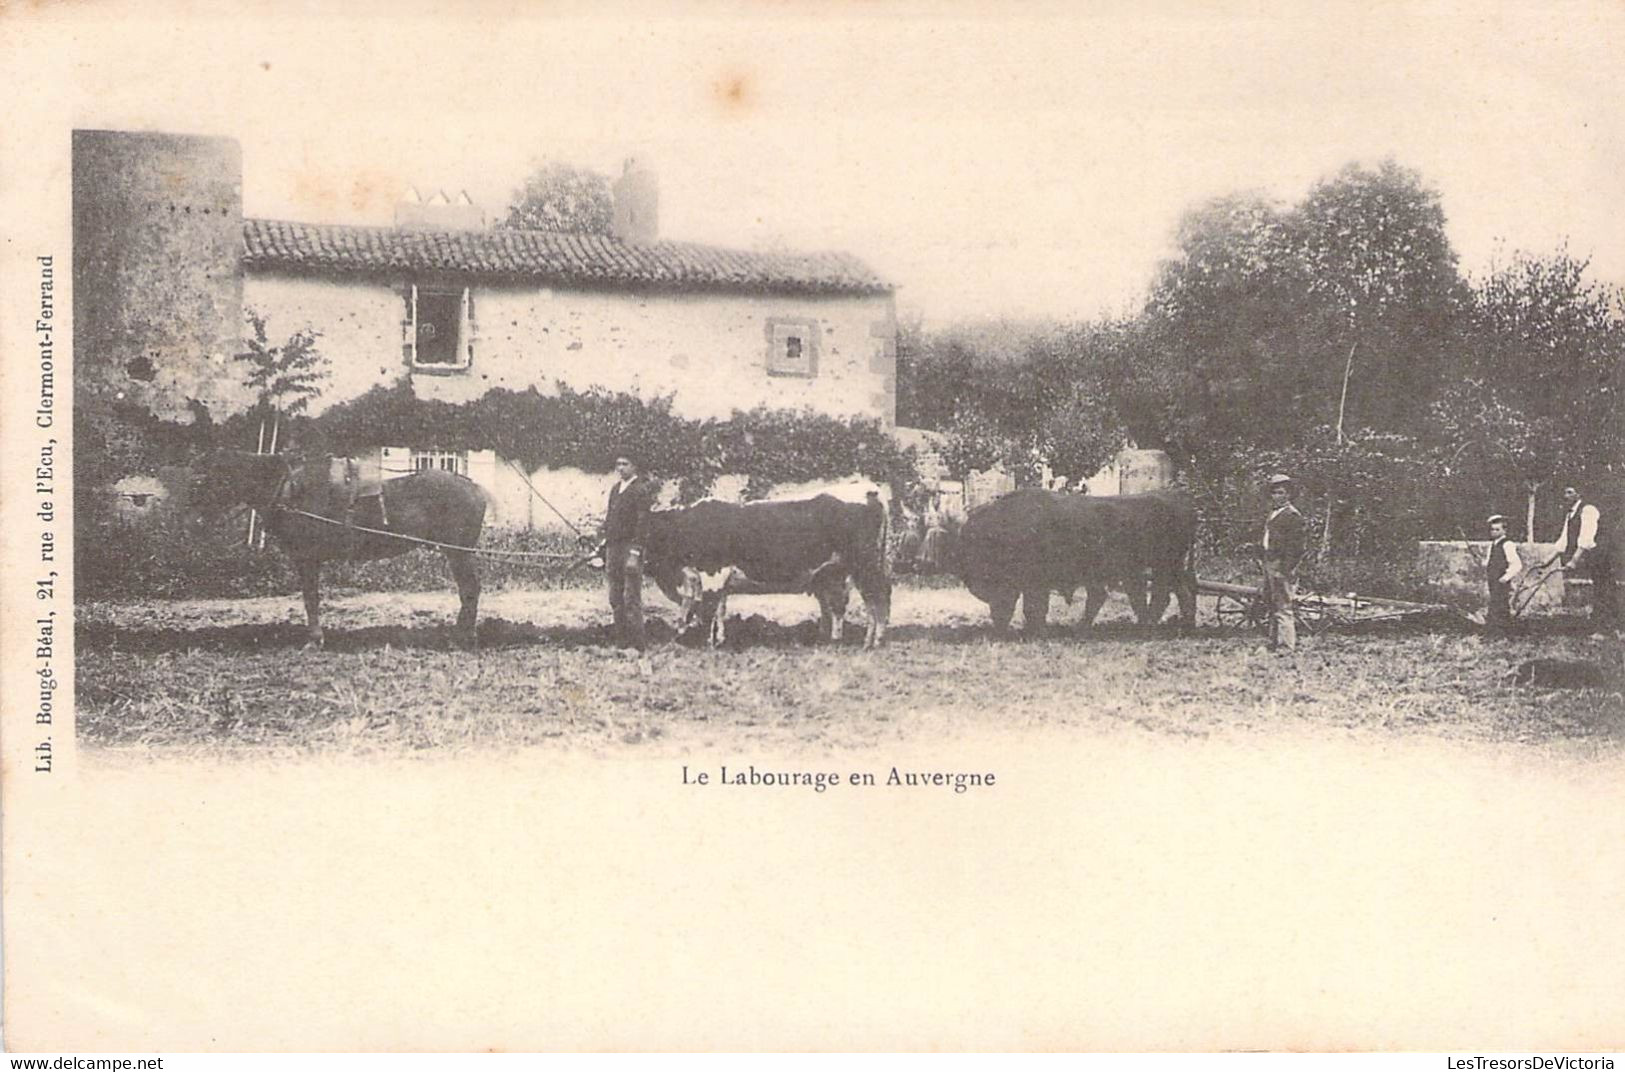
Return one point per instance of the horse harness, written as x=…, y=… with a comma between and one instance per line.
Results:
x=357, y=484
x=351, y=482
x=358, y=480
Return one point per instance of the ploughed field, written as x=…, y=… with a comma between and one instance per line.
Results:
x=228, y=677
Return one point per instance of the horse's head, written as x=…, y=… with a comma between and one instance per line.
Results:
x=226, y=478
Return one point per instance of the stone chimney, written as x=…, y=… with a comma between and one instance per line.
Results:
x=637, y=203
x=437, y=212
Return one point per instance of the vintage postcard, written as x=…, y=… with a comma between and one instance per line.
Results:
x=820, y=526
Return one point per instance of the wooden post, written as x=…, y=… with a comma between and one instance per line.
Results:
x=1343, y=399
x=276, y=426
x=1326, y=529
x=253, y=515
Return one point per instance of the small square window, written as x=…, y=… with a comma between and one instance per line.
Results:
x=792, y=348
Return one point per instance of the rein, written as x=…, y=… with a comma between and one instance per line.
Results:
x=282, y=493
x=488, y=552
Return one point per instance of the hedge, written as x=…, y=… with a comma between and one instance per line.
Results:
x=580, y=429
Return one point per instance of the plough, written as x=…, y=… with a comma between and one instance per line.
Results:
x=1245, y=606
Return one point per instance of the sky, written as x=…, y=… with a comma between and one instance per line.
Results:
x=990, y=165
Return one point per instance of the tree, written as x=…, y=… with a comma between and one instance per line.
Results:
x=1544, y=347
x=1557, y=340
x=934, y=376
x=1081, y=434
x=1384, y=291
x=1223, y=332
x=975, y=443
x=285, y=379
x=1486, y=440
x=561, y=197
x=1338, y=311
x=1383, y=296
x=1127, y=375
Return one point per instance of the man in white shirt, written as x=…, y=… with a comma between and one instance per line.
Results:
x=1500, y=566
x=1581, y=555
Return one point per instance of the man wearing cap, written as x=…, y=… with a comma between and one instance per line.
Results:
x=1580, y=553
x=1500, y=567
x=626, y=527
x=1283, y=551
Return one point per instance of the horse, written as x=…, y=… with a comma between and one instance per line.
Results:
x=314, y=520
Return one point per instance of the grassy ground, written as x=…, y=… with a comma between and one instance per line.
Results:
x=226, y=677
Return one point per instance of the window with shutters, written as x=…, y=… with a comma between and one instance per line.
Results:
x=792, y=347
x=439, y=328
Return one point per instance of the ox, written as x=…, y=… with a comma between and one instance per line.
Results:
x=814, y=546
x=1030, y=543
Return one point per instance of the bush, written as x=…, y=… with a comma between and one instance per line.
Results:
x=167, y=559
x=1377, y=493
x=584, y=430
x=581, y=429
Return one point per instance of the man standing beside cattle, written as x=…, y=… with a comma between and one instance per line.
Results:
x=1283, y=547
x=1582, y=554
x=626, y=530
x=1020, y=547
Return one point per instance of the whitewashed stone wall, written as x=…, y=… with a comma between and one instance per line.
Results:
x=359, y=322
x=708, y=350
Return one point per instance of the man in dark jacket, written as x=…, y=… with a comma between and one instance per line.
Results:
x=626, y=528
x=1283, y=551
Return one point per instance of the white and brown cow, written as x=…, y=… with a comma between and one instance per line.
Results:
x=701, y=554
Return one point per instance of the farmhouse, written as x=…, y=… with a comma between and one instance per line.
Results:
x=166, y=267
x=460, y=310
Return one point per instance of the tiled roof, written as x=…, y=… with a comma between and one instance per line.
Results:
x=551, y=257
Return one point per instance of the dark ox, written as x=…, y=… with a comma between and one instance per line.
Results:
x=813, y=546
x=1030, y=543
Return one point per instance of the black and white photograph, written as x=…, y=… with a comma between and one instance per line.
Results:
x=814, y=527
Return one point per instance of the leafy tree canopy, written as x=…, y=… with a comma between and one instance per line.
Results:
x=285, y=378
x=1333, y=337
x=561, y=197
x=1273, y=320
